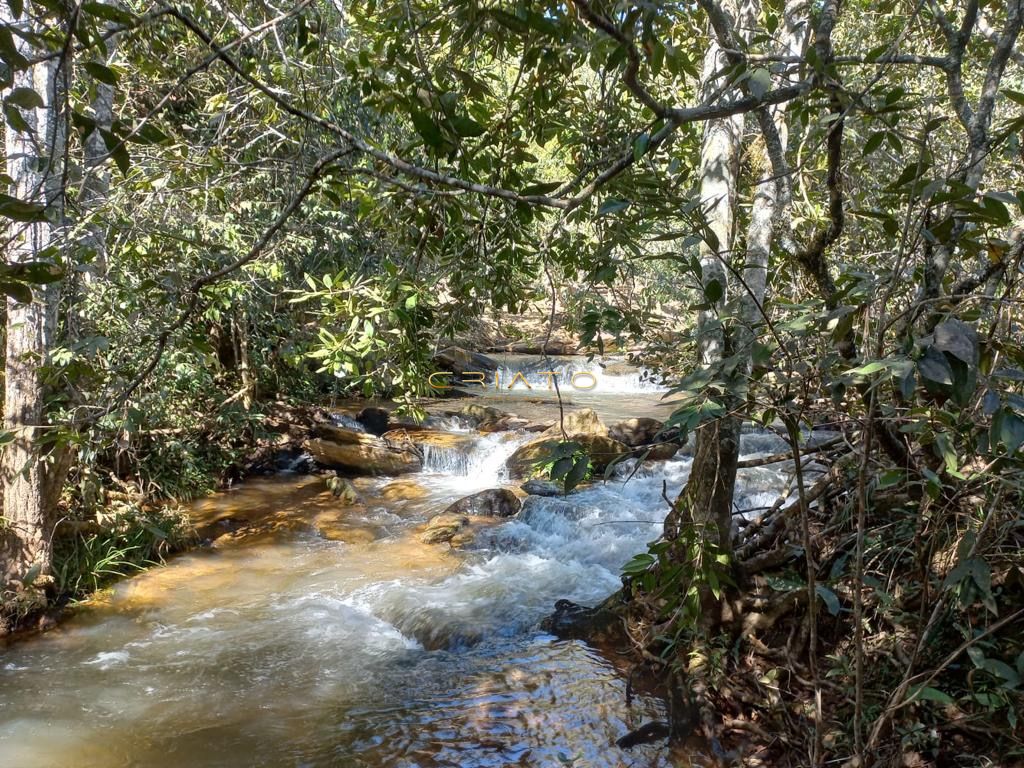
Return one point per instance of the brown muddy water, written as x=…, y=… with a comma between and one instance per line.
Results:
x=313, y=634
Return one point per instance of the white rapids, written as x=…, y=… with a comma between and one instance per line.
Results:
x=366, y=648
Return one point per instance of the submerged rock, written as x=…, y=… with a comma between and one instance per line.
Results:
x=600, y=625
x=402, y=490
x=361, y=453
x=443, y=528
x=495, y=502
x=648, y=733
x=479, y=414
x=502, y=425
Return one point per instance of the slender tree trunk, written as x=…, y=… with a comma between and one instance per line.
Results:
x=96, y=183
x=706, y=502
x=769, y=192
x=35, y=159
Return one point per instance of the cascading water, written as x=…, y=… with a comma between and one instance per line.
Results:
x=573, y=374
x=346, y=421
x=369, y=649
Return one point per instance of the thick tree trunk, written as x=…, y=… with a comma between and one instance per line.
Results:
x=34, y=161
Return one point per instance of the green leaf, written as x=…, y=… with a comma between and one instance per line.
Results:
x=16, y=120
x=930, y=694
x=38, y=272
x=713, y=291
x=958, y=339
x=31, y=575
x=829, y=598
x=427, y=128
x=26, y=98
x=1015, y=96
x=561, y=467
x=108, y=13
x=933, y=366
x=874, y=142
x=101, y=72
x=118, y=150
x=467, y=126
x=17, y=291
x=147, y=133
x=639, y=564
x=510, y=21
x=866, y=370
x=577, y=473
x=20, y=210
x=1009, y=429
x=759, y=82
x=540, y=188
x=612, y=205
x=640, y=146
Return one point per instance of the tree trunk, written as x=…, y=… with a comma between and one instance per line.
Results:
x=706, y=502
x=35, y=159
x=769, y=193
x=96, y=182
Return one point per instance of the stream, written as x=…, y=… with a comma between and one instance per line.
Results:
x=315, y=634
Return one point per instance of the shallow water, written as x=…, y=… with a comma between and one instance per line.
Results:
x=315, y=634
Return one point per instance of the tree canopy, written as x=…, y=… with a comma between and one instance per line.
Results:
x=802, y=214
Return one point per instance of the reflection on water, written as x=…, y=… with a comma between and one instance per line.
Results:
x=315, y=633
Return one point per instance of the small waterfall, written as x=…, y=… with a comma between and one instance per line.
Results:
x=483, y=459
x=444, y=460
x=347, y=422
x=575, y=374
x=448, y=423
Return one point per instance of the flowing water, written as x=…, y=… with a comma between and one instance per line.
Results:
x=310, y=633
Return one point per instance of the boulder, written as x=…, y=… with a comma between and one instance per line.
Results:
x=576, y=423
x=619, y=368
x=460, y=361
x=442, y=528
x=601, y=448
x=495, y=502
x=479, y=414
x=359, y=452
x=538, y=426
x=544, y=347
x=374, y=420
x=660, y=451
x=485, y=419
x=538, y=487
x=502, y=425
x=634, y=432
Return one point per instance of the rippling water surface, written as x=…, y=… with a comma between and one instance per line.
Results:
x=323, y=635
